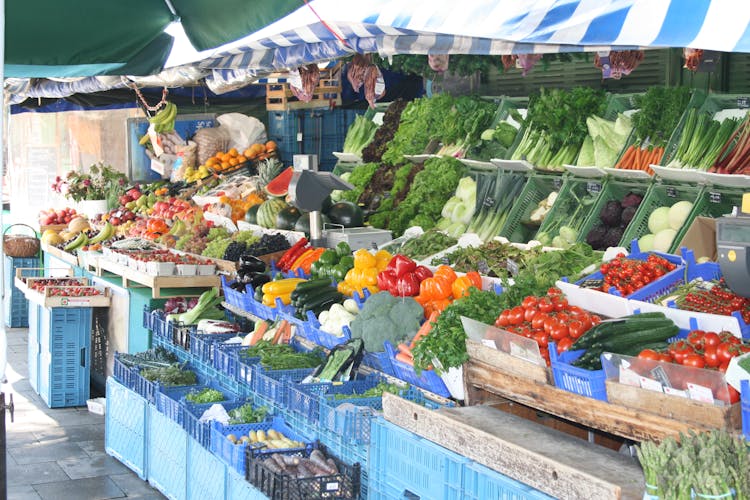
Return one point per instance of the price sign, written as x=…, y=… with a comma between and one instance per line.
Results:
x=489, y=202
x=743, y=102
x=714, y=197
x=671, y=192
x=512, y=267
x=446, y=261
x=557, y=182
x=659, y=374
x=651, y=384
x=483, y=268
x=592, y=283
x=593, y=187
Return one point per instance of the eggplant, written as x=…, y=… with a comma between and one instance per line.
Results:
x=238, y=285
x=259, y=280
x=252, y=263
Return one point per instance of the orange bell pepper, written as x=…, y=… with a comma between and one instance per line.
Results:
x=446, y=272
x=460, y=287
x=476, y=279
x=435, y=288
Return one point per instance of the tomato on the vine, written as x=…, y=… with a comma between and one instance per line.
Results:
x=680, y=350
x=564, y=344
x=694, y=360
x=546, y=305
x=649, y=354
x=711, y=339
x=542, y=339
x=515, y=317
x=529, y=302
x=711, y=357
x=537, y=321
x=560, y=331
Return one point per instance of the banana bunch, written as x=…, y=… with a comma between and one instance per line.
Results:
x=178, y=228
x=78, y=242
x=107, y=232
x=164, y=120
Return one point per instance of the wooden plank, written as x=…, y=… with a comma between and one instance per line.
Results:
x=703, y=415
x=157, y=283
x=612, y=418
x=553, y=462
x=45, y=299
x=66, y=257
x=507, y=363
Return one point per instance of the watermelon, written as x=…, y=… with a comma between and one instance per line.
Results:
x=303, y=223
x=347, y=214
x=287, y=218
x=269, y=210
x=251, y=216
x=279, y=186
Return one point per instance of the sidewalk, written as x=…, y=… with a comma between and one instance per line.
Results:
x=58, y=454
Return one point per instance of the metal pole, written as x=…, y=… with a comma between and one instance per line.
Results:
x=3, y=466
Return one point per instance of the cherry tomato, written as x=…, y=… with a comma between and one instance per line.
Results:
x=549, y=324
x=649, y=354
x=528, y=314
x=503, y=320
x=724, y=351
x=537, y=321
x=561, y=304
x=710, y=356
x=696, y=338
x=563, y=317
x=516, y=315
x=564, y=344
x=576, y=329
x=529, y=302
x=559, y=332
x=542, y=339
x=546, y=305
x=711, y=339
x=680, y=350
x=694, y=360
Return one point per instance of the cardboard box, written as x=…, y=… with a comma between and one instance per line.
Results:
x=701, y=238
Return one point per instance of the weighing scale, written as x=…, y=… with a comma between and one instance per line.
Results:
x=732, y=242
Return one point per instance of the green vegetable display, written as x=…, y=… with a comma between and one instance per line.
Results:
x=373, y=392
x=446, y=342
x=493, y=254
x=385, y=317
x=702, y=140
x=170, y=375
x=659, y=111
x=206, y=308
x=205, y=396
x=431, y=188
x=495, y=195
x=360, y=134
x=359, y=178
x=247, y=414
x=428, y=243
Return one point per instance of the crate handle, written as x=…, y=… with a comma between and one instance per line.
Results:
x=83, y=357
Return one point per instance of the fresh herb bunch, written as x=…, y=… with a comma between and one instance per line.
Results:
x=359, y=178
x=447, y=339
x=659, y=111
x=428, y=243
x=170, y=375
x=247, y=414
x=204, y=396
x=282, y=356
x=373, y=392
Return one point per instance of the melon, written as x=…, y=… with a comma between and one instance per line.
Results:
x=347, y=214
x=303, y=223
x=279, y=186
x=77, y=225
x=287, y=218
x=269, y=210
x=251, y=216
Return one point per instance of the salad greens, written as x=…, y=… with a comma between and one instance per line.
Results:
x=247, y=414
x=204, y=396
x=170, y=375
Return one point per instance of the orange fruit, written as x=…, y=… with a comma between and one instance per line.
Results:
x=233, y=161
x=225, y=157
x=241, y=159
x=232, y=152
x=225, y=165
x=270, y=146
x=211, y=162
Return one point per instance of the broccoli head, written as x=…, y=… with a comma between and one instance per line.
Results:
x=385, y=317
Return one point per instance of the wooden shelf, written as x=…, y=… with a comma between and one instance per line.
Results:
x=131, y=277
x=64, y=256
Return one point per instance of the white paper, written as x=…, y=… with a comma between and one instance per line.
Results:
x=489, y=343
x=629, y=377
x=215, y=412
x=651, y=384
x=700, y=393
x=675, y=392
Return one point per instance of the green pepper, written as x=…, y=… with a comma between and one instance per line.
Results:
x=328, y=258
x=343, y=249
x=315, y=268
x=346, y=261
x=339, y=272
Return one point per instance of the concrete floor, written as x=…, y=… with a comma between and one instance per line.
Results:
x=58, y=454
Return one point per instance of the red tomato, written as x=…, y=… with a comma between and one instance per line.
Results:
x=710, y=356
x=724, y=351
x=546, y=305
x=694, y=360
x=527, y=332
x=666, y=357
x=529, y=313
x=576, y=329
x=529, y=302
x=515, y=317
x=711, y=339
x=549, y=324
x=537, y=321
x=595, y=319
x=649, y=354
x=542, y=339
x=723, y=366
x=575, y=310
x=696, y=338
x=680, y=350
x=561, y=304
x=559, y=332
x=502, y=320
x=564, y=344
x=563, y=317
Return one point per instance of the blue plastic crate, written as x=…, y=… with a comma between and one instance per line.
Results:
x=123, y=373
x=126, y=427
x=202, y=344
x=171, y=400
x=324, y=123
x=271, y=385
x=225, y=359
x=234, y=454
x=480, y=483
x=413, y=465
x=287, y=147
x=379, y=361
x=745, y=395
x=33, y=346
x=159, y=327
x=201, y=431
x=312, y=331
x=427, y=380
x=284, y=123
x=143, y=387
x=206, y=474
x=167, y=454
x=239, y=489
x=16, y=304
x=591, y=383
x=304, y=399
x=180, y=334
x=148, y=318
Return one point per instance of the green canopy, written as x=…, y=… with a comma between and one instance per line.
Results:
x=73, y=38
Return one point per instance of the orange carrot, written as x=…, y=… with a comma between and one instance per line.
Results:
x=404, y=359
x=627, y=158
x=259, y=332
x=280, y=332
x=405, y=349
x=425, y=328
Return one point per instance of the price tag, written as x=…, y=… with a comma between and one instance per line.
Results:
x=483, y=268
x=593, y=187
x=700, y=393
x=714, y=197
x=659, y=374
x=75, y=302
x=592, y=283
x=332, y=486
x=512, y=267
x=446, y=261
x=604, y=61
x=489, y=343
x=743, y=102
x=557, y=182
x=671, y=192
x=629, y=377
x=650, y=384
x=489, y=202
x=675, y=392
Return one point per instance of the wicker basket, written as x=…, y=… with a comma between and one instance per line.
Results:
x=20, y=245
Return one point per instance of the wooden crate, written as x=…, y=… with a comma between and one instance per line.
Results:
x=505, y=362
x=327, y=94
x=702, y=415
x=47, y=299
x=64, y=256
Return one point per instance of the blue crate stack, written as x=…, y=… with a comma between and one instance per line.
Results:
x=15, y=303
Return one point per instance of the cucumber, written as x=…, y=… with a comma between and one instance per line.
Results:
x=642, y=337
x=612, y=329
x=313, y=295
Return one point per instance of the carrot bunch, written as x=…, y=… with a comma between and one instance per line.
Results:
x=638, y=158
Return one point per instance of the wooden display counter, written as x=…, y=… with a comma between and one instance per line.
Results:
x=485, y=381
x=191, y=286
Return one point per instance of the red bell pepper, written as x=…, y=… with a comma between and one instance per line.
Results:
x=407, y=286
x=401, y=264
x=387, y=280
x=422, y=273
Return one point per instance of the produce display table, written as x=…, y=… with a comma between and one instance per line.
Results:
x=60, y=255
x=553, y=462
x=484, y=380
x=191, y=286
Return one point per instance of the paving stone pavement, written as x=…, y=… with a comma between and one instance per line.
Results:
x=58, y=453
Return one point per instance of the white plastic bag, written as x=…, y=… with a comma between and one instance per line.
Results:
x=243, y=130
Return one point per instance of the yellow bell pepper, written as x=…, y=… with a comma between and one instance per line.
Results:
x=382, y=258
x=370, y=276
x=363, y=259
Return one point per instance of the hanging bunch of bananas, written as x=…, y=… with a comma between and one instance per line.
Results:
x=163, y=121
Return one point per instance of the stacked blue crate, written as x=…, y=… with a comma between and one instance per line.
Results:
x=283, y=127
x=125, y=435
x=15, y=303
